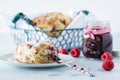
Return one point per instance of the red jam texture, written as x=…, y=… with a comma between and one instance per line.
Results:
x=94, y=48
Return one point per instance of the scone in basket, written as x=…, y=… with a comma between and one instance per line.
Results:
x=68, y=38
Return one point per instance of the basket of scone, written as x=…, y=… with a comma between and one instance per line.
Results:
x=49, y=26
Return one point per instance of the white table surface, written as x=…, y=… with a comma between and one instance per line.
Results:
x=8, y=72
x=108, y=11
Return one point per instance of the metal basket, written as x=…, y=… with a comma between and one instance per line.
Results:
x=68, y=38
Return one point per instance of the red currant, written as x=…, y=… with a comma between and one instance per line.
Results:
x=63, y=51
x=106, y=56
x=108, y=65
x=75, y=52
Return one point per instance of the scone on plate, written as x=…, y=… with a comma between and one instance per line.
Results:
x=36, y=52
x=52, y=21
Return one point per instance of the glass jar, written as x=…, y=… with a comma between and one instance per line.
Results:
x=97, y=39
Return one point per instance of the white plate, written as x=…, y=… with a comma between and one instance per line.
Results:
x=8, y=59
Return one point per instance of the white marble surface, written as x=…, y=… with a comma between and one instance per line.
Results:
x=59, y=73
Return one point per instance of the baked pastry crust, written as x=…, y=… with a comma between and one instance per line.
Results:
x=52, y=21
x=36, y=52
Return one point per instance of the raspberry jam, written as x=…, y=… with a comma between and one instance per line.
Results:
x=97, y=39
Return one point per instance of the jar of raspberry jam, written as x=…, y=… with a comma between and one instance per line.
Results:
x=97, y=39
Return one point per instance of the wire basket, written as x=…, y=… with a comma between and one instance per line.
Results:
x=68, y=38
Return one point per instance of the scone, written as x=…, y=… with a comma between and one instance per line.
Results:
x=52, y=21
x=36, y=52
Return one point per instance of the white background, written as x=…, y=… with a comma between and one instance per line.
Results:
x=103, y=9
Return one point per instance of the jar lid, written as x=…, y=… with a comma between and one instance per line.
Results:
x=97, y=27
